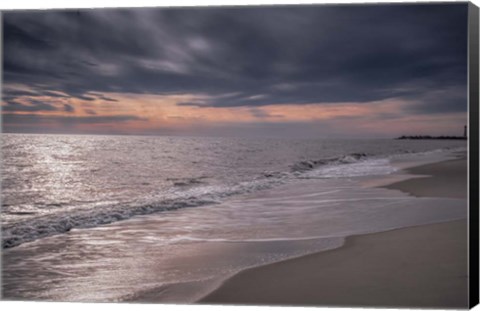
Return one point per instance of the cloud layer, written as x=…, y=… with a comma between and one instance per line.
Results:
x=239, y=57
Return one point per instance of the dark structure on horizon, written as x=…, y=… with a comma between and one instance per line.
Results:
x=435, y=137
x=431, y=137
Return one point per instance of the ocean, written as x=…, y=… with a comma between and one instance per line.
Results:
x=150, y=218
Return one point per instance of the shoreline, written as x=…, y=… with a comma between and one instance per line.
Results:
x=445, y=179
x=426, y=251
x=264, y=285
x=198, y=264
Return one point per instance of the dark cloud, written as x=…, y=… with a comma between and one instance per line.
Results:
x=68, y=108
x=194, y=104
x=90, y=111
x=262, y=114
x=102, y=97
x=261, y=55
x=34, y=106
x=440, y=101
x=31, y=119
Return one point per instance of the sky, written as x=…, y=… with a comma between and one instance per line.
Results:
x=326, y=71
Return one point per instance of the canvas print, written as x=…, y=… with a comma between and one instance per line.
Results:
x=254, y=155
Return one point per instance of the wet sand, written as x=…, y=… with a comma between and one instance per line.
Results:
x=423, y=266
x=444, y=179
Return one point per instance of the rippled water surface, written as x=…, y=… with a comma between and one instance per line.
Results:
x=53, y=183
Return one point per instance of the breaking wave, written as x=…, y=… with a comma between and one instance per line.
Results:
x=188, y=193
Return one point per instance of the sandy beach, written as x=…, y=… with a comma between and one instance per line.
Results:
x=444, y=179
x=422, y=266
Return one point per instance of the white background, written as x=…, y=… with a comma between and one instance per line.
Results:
x=46, y=4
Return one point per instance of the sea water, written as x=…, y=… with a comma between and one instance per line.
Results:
x=115, y=218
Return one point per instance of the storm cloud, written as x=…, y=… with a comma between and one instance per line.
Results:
x=13, y=106
x=243, y=56
x=32, y=118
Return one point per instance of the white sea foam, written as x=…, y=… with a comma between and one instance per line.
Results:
x=366, y=167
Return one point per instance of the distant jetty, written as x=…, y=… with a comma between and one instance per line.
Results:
x=464, y=137
x=432, y=137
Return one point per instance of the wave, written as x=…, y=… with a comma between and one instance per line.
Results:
x=36, y=228
x=33, y=229
x=187, y=182
x=191, y=192
x=306, y=165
